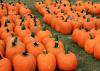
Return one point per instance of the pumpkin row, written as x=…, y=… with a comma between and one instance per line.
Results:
x=65, y=5
x=25, y=45
x=66, y=21
x=89, y=40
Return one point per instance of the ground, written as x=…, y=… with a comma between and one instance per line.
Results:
x=85, y=62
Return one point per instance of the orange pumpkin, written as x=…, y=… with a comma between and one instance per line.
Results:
x=21, y=31
x=14, y=47
x=24, y=62
x=30, y=38
x=89, y=44
x=35, y=48
x=35, y=25
x=46, y=62
x=24, y=10
x=83, y=36
x=75, y=34
x=44, y=33
x=55, y=47
x=67, y=61
x=3, y=10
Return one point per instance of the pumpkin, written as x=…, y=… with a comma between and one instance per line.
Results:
x=35, y=25
x=89, y=44
x=3, y=10
x=11, y=7
x=46, y=61
x=83, y=36
x=24, y=62
x=47, y=18
x=5, y=34
x=7, y=23
x=24, y=10
x=21, y=31
x=30, y=38
x=14, y=47
x=89, y=24
x=75, y=34
x=65, y=27
x=95, y=31
x=55, y=47
x=21, y=20
x=44, y=33
x=67, y=61
x=5, y=64
x=35, y=48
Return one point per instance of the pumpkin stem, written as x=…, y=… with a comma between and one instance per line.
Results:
x=88, y=19
x=62, y=11
x=91, y=36
x=30, y=15
x=45, y=52
x=98, y=17
x=56, y=1
x=78, y=15
x=86, y=29
x=62, y=17
x=23, y=19
x=47, y=9
x=84, y=17
x=33, y=35
x=60, y=1
x=14, y=42
x=56, y=37
x=93, y=14
x=44, y=27
x=23, y=27
x=12, y=34
x=96, y=27
x=93, y=2
x=36, y=44
x=56, y=44
x=1, y=57
x=24, y=53
x=64, y=5
x=80, y=27
x=87, y=11
x=7, y=30
x=2, y=6
x=6, y=22
x=82, y=11
x=35, y=22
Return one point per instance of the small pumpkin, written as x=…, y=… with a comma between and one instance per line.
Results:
x=89, y=44
x=67, y=61
x=14, y=47
x=24, y=62
x=44, y=33
x=46, y=61
x=35, y=48
x=30, y=38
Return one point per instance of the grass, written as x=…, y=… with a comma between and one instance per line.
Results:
x=85, y=62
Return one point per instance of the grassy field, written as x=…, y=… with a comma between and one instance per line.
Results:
x=85, y=62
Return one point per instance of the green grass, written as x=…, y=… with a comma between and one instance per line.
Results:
x=85, y=62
